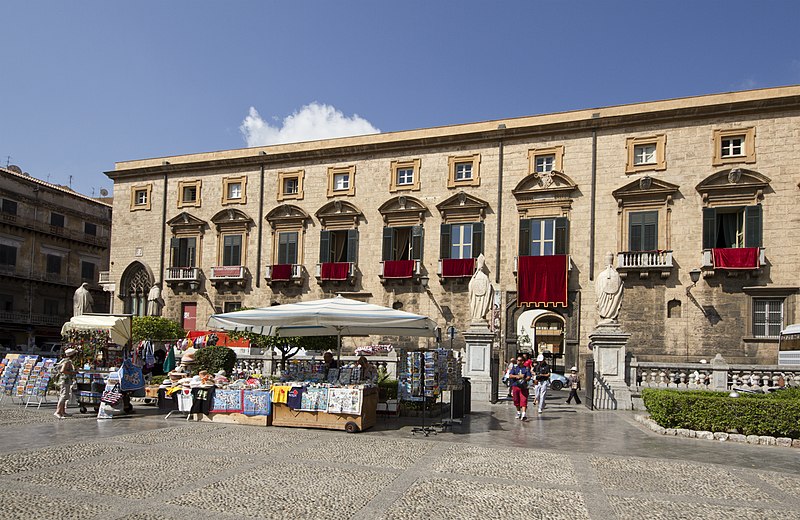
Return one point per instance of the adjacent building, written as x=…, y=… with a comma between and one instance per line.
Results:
x=695, y=199
x=52, y=240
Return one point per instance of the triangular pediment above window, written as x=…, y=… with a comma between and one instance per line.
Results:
x=733, y=186
x=462, y=207
x=287, y=214
x=645, y=189
x=232, y=219
x=403, y=210
x=186, y=222
x=339, y=214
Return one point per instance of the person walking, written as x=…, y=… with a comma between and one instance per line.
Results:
x=574, y=385
x=506, y=380
x=542, y=373
x=520, y=376
x=67, y=371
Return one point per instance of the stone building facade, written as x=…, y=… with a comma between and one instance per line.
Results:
x=703, y=187
x=52, y=239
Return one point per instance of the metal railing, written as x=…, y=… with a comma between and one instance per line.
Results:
x=28, y=318
x=644, y=259
x=49, y=229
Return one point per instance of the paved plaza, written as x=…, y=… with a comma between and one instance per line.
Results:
x=570, y=463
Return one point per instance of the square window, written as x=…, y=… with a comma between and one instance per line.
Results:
x=6, y=303
x=644, y=154
x=90, y=229
x=87, y=271
x=9, y=207
x=189, y=194
x=767, y=317
x=140, y=197
x=405, y=176
x=463, y=171
x=732, y=146
x=53, y=264
x=232, y=250
x=291, y=186
x=51, y=307
x=545, y=163
x=234, y=190
x=8, y=255
x=232, y=306
x=56, y=219
x=341, y=181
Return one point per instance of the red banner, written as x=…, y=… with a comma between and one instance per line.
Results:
x=227, y=271
x=282, y=272
x=398, y=268
x=458, y=267
x=542, y=280
x=335, y=270
x=736, y=258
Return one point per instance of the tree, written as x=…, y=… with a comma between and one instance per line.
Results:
x=215, y=358
x=155, y=327
x=287, y=347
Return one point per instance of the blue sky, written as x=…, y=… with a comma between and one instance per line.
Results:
x=86, y=84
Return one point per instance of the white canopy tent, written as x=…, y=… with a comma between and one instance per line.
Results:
x=118, y=327
x=333, y=316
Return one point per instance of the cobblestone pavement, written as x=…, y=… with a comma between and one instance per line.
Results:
x=569, y=463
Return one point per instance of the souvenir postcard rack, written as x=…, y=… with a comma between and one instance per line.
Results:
x=34, y=388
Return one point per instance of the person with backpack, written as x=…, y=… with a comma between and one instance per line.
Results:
x=542, y=374
x=67, y=372
x=520, y=376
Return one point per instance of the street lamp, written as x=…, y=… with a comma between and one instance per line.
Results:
x=694, y=274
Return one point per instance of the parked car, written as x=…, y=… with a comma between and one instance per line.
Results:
x=557, y=381
x=50, y=350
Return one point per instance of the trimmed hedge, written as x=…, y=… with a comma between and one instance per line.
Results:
x=776, y=414
x=214, y=359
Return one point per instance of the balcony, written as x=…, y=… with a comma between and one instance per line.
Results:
x=516, y=263
x=59, y=231
x=400, y=270
x=456, y=268
x=284, y=273
x=737, y=264
x=229, y=276
x=183, y=277
x=104, y=277
x=336, y=272
x=26, y=318
x=644, y=262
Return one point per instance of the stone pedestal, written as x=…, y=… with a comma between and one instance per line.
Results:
x=611, y=392
x=478, y=357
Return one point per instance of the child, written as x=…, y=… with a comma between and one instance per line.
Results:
x=574, y=385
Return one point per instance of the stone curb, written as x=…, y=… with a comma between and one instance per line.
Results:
x=761, y=440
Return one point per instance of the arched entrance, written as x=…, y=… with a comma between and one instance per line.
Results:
x=136, y=283
x=542, y=332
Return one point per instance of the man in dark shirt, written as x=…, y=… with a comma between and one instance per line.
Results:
x=519, y=376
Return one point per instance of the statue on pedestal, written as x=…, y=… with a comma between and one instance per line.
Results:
x=608, y=288
x=481, y=293
x=82, y=300
x=154, y=301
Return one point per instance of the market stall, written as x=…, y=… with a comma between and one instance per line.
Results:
x=331, y=398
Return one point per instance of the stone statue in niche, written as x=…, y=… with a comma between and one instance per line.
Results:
x=481, y=293
x=82, y=300
x=608, y=288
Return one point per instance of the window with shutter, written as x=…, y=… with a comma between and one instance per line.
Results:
x=643, y=231
x=232, y=250
x=287, y=247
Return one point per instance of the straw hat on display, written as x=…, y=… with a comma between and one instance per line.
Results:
x=70, y=352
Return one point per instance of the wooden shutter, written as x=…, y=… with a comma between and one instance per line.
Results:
x=562, y=236
x=525, y=237
x=635, y=224
x=352, y=245
x=291, y=247
x=417, y=239
x=477, y=239
x=752, y=226
x=190, y=252
x=324, y=247
x=174, y=247
x=388, y=244
x=444, y=241
x=650, y=231
x=709, y=228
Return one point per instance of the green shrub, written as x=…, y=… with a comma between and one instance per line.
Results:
x=776, y=414
x=157, y=380
x=216, y=358
x=155, y=327
x=387, y=389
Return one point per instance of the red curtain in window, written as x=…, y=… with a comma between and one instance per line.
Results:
x=736, y=258
x=282, y=272
x=457, y=267
x=335, y=270
x=542, y=280
x=398, y=268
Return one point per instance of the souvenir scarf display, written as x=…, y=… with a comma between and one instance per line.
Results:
x=95, y=349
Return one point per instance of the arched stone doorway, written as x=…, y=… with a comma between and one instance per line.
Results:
x=542, y=332
x=136, y=283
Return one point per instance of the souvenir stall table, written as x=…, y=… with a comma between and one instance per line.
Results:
x=308, y=397
x=101, y=341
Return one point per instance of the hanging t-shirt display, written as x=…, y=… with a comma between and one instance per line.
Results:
x=294, y=399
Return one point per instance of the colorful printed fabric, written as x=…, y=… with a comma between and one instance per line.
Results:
x=279, y=393
x=345, y=401
x=257, y=402
x=295, y=398
x=227, y=401
x=315, y=399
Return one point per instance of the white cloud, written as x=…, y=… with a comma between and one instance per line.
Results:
x=313, y=121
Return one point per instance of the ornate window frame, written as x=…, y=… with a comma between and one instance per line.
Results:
x=556, y=151
x=139, y=188
x=454, y=160
x=198, y=185
x=283, y=176
x=226, y=181
x=660, y=142
x=749, y=156
x=288, y=218
x=333, y=171
x=414, y=164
